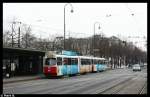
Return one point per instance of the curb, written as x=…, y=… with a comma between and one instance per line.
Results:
x=13, y=81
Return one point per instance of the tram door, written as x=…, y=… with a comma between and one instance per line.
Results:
x=67, y=66
x=60, y=67
x=65, y=63
x=74, y=66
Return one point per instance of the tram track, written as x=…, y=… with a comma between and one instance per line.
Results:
x=90, y=86
x=142, y=90
x=59, y=86
x=84, y=87
x=74, y=85
x=29, y=84
x=42, y=84
x=117, y=87
x=122, y=87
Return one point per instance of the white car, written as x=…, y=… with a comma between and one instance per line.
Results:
x=136, y=67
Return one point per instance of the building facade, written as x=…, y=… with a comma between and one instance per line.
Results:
x=18, y=62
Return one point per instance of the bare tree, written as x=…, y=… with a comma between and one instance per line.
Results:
x=28, y=39
x=6, y=39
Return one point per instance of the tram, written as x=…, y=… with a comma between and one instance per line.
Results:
x=61, y=65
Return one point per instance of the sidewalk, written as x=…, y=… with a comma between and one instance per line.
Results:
x=22, y=78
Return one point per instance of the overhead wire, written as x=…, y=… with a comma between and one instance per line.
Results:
x=133, y=17
x=136, y=22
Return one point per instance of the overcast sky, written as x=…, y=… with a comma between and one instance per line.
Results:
x=47, y=19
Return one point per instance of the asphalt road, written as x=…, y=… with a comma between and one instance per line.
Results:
x=118, y=81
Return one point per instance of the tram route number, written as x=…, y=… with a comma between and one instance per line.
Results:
x=7, y=95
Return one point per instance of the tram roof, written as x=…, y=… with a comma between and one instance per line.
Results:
x=83, y=57
x=66, y=56
x=53, y=54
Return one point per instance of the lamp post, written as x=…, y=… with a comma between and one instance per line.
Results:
x=64, y=20
x=94, y=36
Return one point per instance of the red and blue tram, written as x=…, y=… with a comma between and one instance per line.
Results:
x=61, y=65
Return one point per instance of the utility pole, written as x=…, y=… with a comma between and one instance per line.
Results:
x=15, y=36
x=19, y=37
x=12, y=44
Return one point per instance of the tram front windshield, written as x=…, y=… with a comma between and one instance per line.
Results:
x=50, y=61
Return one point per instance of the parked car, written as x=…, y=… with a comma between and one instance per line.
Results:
x=136, y=67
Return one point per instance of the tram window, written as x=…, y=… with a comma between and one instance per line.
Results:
x=74, y=61
x=95, y=62
x=82, y=61
x=65, y=61
x=104, y=62
x=87, y=62
x=59, y=61
x=100, y=62
x=47, y=61
x=92, y=61
x=50, y=61
x=69, y=61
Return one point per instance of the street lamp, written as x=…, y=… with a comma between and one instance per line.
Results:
x=94, y=36
x=64, y=20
